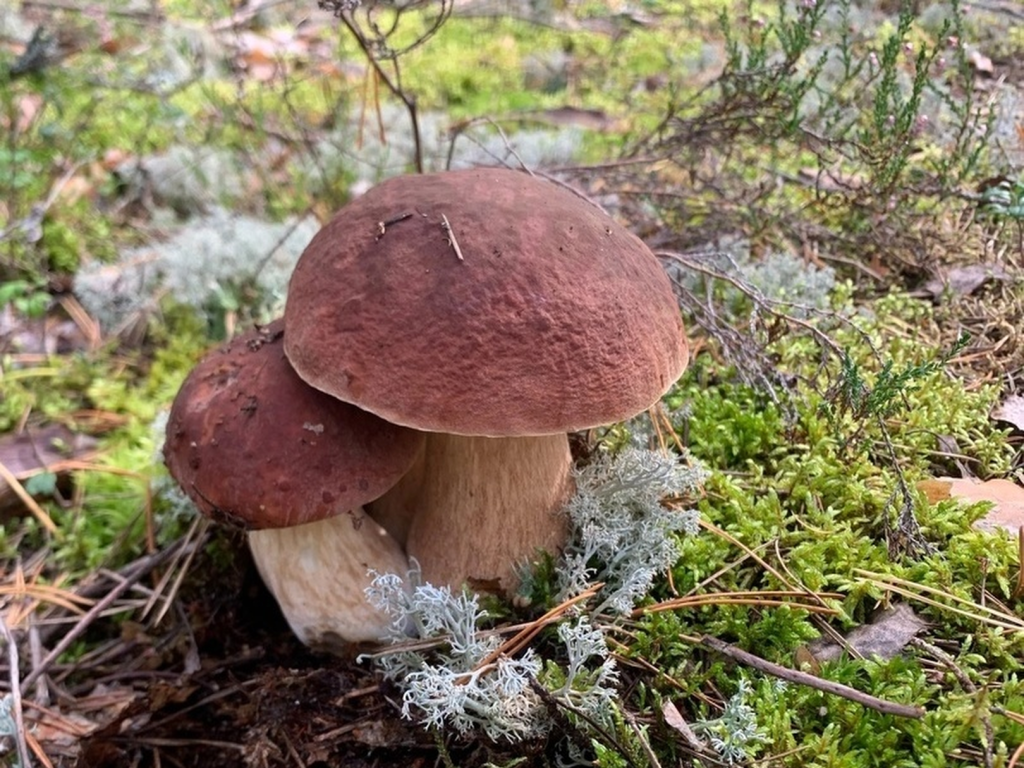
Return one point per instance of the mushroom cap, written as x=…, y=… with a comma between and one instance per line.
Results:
x=251, y=443
x=535, y=314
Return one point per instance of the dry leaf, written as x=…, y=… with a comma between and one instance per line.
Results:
x=1011, y=410
x=1006, y=496
x=963, y=281
x=39, y=450
x=675, y=720
x=981, y=63
x=162, y=693
x=28, y=107
x=76, y=188
x=60, y=733
x=885, y=637
x=935, y=490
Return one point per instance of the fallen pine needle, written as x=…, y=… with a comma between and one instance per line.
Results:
x=917, y=592
x=45, y=593
x=37, y=511
x=726, y=536
x=197, y=531
x=1015, y=757
x=766, y=598
x=521, y=639
x=83, y=623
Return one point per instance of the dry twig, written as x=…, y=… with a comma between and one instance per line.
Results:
x=803, y=678
x=15, y=694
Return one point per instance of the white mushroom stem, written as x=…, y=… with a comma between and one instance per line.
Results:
x=318, y=573
x=395, y=509
x=479, y=507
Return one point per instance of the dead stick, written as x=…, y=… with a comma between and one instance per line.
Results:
x=802, y=678
x=15, y=694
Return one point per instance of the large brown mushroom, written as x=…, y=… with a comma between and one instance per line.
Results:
x=252, y=444
x=497, y=312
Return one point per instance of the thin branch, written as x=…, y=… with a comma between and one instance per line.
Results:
x=15, y=694
x=771, y=306
x=803, y=678
x=392, y=85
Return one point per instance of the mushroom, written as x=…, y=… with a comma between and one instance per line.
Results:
x=253, y=445
x=497, y=312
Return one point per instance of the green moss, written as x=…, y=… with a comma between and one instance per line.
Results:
x=108, y=527
x=811, y=495
x=473, y=68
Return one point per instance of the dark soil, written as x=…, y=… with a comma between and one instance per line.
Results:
x=226, y=683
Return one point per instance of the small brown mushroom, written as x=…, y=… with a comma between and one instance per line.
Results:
x=253, y=445
x=496, y=312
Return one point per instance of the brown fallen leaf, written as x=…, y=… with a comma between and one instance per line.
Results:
x=1006, y=496
x=1011, y=410
x=59, y=732
x=963, y=281
x=980, y=63
x=885, y=636
x=675, y=720
x=37, y=451
x=28, y=107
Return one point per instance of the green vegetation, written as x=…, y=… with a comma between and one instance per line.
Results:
x=802, y=168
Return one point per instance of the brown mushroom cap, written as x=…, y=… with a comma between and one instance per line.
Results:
x=250, y=443
x=547, y=317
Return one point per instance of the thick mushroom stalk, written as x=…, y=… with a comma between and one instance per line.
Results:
x=479, y=507
x=252, y=444
x=318, y=572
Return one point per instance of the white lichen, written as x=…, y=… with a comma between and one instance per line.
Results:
x=735, y=735
x=451, y=685
x=622, y=534
x=178, y=506
x=461, y=683
x=214, y=263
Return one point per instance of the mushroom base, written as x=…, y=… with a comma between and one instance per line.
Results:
x=318, y=572
x=481, y=506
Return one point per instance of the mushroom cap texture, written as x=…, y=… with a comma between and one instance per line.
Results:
x=252, y=444
x=554, y=319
